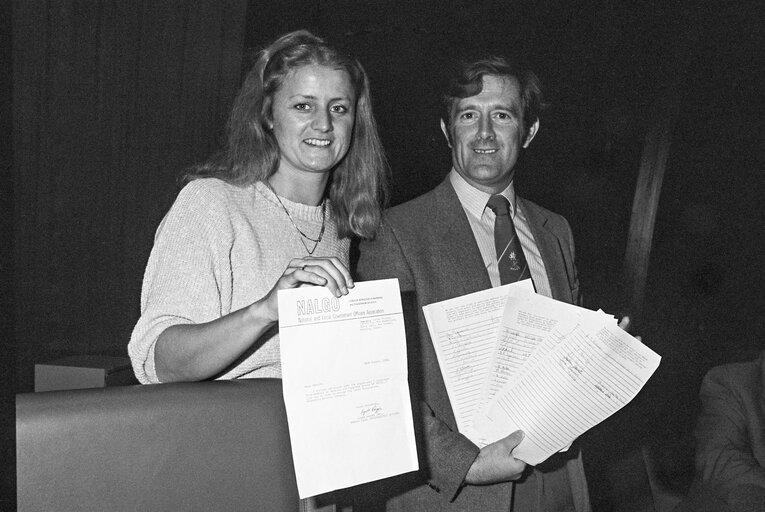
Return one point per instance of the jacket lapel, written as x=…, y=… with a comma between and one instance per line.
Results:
x=550, y=250
x=456, y=243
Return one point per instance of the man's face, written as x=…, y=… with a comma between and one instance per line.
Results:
x=486, y=134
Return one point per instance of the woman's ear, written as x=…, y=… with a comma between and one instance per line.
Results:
x=267, y=114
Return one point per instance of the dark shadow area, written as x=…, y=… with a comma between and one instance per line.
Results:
x=7, y=340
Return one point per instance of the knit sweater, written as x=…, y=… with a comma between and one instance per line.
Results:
x=220, y=248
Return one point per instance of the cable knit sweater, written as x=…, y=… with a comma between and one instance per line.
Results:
x=221, y=248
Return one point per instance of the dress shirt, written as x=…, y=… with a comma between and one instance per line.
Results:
x=481, y=219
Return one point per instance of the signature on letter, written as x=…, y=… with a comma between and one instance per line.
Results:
x=371, y=411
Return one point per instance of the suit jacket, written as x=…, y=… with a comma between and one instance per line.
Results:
x=730, y=441
x=730, y=432
x=427, y=243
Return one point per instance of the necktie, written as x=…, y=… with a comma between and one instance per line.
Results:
x=510, y=259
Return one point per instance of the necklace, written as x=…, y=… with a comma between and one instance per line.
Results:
x=303, y=235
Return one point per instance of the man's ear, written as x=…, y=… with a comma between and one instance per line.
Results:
x=446, y=133
x=533, y=129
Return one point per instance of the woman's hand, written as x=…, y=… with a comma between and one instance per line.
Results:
x=190, y=352
x=329, y=272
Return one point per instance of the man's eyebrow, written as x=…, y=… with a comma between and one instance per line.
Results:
x=497, y=106
x=513, y=108
x=468, y=106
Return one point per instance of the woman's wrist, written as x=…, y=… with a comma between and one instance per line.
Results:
x=262, y=313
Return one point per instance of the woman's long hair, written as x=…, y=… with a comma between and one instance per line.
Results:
x=358, y=187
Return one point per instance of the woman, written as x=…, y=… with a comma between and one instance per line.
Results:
x=303, y=171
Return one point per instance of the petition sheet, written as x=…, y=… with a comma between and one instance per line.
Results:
x=464, y=333
x=592, y=374
x=344, y=374
x=531, y=326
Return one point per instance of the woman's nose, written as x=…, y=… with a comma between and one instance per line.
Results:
x=322, y=121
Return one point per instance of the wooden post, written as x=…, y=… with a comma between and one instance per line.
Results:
x=653, y=164
x=645, y=204
x=647, y=191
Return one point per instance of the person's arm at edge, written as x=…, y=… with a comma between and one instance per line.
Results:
x=723, y=451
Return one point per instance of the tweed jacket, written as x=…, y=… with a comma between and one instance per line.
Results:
x=427, y=243
x=730, y=432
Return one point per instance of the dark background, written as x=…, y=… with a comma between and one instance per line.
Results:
x=103, y=104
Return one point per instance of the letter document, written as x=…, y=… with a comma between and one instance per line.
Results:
x=344, y=373
x=548, y=368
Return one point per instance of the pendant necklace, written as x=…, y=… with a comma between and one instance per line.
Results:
x=303, y=235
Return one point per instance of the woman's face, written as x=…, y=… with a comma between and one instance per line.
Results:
x=313, y=115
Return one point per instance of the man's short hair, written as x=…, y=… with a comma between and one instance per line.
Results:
x=467, y=81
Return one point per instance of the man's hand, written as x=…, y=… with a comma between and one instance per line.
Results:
x=624, y=323
x=495, y=462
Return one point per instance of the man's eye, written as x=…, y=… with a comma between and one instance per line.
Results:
x=468, y=116
x=502, y=116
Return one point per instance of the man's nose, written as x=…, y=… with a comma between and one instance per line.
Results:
x=485, y=129
x=322, y=121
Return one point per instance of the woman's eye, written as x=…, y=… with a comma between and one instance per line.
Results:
x=339, y=109
x=302, y=106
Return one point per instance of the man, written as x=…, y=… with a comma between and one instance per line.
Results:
x=730, y=440
x=445, y=244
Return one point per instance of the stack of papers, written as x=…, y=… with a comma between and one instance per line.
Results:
x=514, y=360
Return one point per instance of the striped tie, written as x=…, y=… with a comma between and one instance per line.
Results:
x=510, y=259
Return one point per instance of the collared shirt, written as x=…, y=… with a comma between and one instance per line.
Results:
x=481, y=219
